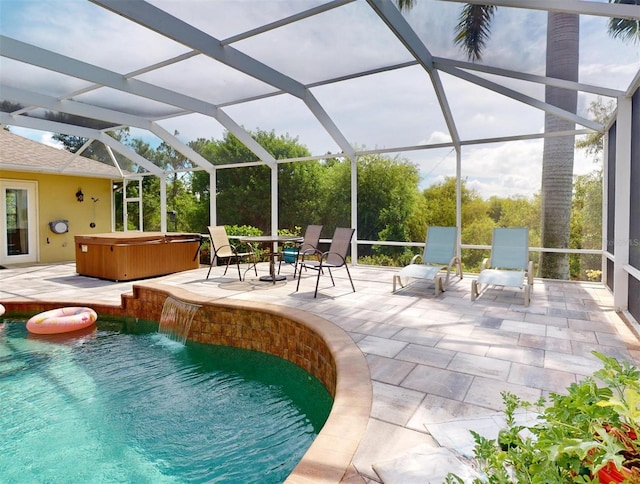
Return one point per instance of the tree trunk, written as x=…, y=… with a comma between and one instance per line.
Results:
x=557, y=163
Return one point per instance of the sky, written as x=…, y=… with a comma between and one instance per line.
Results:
x=391, y=109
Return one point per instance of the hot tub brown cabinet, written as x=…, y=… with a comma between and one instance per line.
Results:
x=123, y=256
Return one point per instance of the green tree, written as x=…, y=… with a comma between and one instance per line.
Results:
x=440, y=201
x=300, y=185
x=181, y=201
x=387, y=195
x=586, y=222
x=244, y=194
x=477, y=225
x=593, y=143
x=96, y=150
x=335, y=195
x=518, y=211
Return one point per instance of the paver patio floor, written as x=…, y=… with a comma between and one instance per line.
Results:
x=432, y=358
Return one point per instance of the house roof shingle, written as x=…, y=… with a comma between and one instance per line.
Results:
x=22, y=154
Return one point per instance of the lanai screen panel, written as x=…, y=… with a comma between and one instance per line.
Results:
x=634, y=297
x=611, y=202
x=634, y=218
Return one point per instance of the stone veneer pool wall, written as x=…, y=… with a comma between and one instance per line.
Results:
x=311, y=342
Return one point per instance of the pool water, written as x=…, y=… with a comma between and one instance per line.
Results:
x=112, y=406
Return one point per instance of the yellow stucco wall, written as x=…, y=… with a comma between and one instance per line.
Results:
x=57, y=201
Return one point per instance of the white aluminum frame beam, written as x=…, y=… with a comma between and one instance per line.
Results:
x=549, y=108
x=622, y=206
x=30, y=54
x=182, y=148
x=167, y=25
x=23, y=96
x=56, y=127
x=394, y=20
x=286, y=21
x=38, y=100
x=442, y=63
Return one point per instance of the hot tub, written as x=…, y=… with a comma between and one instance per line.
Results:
x=124, y=256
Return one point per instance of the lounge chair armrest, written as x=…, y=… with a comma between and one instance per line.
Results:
x=455, y=261
x=416, y=259
x=325, y=255
x=232, y=247
x=485, y=264
x=315, y=252
x=250, y=248
x=306, y=248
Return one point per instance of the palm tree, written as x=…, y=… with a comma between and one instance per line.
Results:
x=563, y=33
x=472, y=32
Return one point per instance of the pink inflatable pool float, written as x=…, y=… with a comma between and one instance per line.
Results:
x=62, y=320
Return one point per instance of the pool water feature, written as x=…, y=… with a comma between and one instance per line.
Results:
x=112, y=406
x=176, y=319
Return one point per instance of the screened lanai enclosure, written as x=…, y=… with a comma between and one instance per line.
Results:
x=349, y=81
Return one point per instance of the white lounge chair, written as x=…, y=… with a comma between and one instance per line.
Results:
x=438, y=258
x=509, y=264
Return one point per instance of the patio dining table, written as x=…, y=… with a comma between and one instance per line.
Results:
x=271, y=241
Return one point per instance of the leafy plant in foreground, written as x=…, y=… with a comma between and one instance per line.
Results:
x=588, y=435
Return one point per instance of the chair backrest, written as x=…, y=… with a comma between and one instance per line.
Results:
x=220, y=246
x=311, y=238
x=440, y=245
x=510, y=248
x=340, y=244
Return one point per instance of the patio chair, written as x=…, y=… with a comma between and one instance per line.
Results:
x=438, y=258
x=334, y=258
x=509, y=264
x=221, y=248
x=309, y=245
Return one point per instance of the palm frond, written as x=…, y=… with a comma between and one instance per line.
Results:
x=627, y=30
x=474, y=28
x=405, y=4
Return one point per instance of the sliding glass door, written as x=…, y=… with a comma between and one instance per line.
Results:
x=18, y=230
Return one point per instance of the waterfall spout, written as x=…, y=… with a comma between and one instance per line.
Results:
x=176, y=318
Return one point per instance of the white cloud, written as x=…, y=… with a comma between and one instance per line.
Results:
x=47, y=139
x=504, y=169
x=35, y=135
x=437, y=137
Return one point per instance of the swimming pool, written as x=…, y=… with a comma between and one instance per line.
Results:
x=113, y=406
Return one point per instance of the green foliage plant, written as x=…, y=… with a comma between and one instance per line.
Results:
x=590, y=430
x=294, y=232
x=205, y=251
x=380, y=260
x=234, y=231
x=594, y=275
